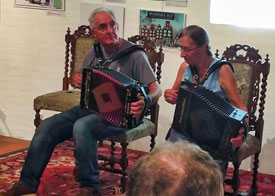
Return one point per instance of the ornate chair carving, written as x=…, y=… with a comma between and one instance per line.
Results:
x=77, y=45
x=149, y=126
x=251, y=73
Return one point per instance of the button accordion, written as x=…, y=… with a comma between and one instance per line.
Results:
x=110, y=93
x=207, y=119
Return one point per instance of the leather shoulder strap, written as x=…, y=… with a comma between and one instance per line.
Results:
x=126, y=52
x=103, y=62
x=217, y=65
x=98, y=55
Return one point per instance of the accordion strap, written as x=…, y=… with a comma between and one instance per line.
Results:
x=104, y=62
x=147, y=101
x=99, y=55
x=125, y=52
x=215, y=66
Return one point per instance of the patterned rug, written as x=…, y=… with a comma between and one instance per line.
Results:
x=58, y=177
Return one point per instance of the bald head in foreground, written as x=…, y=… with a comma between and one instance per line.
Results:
x=176, y=169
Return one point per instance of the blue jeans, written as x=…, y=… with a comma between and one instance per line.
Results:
x=173, y=136
x=86, y=128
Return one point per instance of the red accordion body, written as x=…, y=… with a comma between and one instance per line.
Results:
x=109, y=93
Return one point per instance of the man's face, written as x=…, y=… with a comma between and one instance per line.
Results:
x=105, y=30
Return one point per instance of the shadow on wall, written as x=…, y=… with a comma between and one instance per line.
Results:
x=267, y=154
x=3, y=124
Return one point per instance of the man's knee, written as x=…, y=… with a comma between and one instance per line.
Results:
x=81, y=127
x=87, y=126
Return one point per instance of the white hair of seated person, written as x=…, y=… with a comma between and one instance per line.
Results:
x=176, y=169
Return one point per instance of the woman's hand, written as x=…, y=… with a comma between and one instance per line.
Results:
x=238, y=140
x=171, y=95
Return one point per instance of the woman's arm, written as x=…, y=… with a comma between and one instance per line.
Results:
x=171, y=95
x=228, y=83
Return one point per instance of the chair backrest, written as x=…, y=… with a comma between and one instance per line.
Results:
x=77, y=46
x=156, y=58
x=250, y=72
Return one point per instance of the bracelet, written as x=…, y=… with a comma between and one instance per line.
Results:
x=148, y=100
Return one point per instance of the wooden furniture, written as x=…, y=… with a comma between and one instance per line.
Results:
x=251, y=73
x=149, y=126
x=77, y=45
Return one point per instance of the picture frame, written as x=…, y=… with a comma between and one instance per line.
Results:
x=56, y=5
x=163, y=27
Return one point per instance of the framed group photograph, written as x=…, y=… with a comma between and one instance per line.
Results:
x=41, y=4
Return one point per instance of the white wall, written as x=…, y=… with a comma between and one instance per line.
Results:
x=32, y=59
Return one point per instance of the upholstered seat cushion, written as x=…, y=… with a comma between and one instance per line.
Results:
x=57, y=101
x=145, y=129
x=250, y=146
x=243, y=76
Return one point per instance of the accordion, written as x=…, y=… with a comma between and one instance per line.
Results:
x=110, y=93
x=207, y=120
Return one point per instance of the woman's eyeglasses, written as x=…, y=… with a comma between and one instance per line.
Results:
x=186, y=49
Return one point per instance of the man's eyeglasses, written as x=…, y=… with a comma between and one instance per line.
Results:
x=104, y=27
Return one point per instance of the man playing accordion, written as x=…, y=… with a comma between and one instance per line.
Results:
x=85, y=127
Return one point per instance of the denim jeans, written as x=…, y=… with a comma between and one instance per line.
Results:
x=86, y=128
x=173, y=136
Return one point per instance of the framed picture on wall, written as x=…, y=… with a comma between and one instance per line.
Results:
x=163, y=27
x=58, y=5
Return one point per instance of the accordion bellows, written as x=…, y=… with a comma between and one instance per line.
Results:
x=207, y=119
x=109, y=93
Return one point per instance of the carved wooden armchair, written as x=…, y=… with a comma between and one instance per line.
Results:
x=251, y=73
x=149, y=126
x=77, y=45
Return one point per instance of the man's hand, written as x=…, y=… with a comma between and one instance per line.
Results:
x=171, y=96
x=77, y=80
x=238, y=140
x=138, y=106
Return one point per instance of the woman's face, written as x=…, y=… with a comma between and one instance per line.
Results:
x=189, y=50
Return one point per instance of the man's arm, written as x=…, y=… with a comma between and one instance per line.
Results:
x=154, y=94
x=154, y=91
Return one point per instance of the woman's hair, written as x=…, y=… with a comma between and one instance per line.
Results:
x=198, y=35
x=98, y=10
